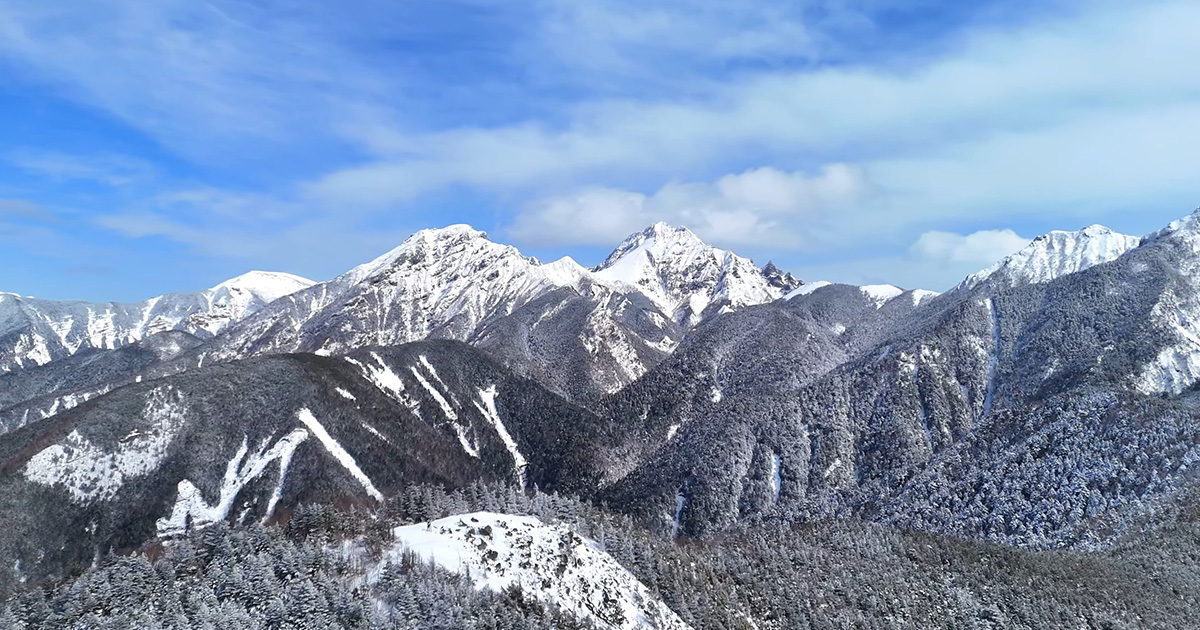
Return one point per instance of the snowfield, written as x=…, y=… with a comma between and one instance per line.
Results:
x=549, y=562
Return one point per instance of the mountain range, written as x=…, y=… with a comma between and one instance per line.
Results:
x=1047, y=402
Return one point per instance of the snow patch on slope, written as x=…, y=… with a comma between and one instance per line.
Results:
x=807, y=288
x=386, y=381
x=437, y=395
x=488, y=409
x=191, y=510
x=339, y=453
x=549, y=562
x=89, y=472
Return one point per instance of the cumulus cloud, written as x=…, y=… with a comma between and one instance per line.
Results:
x=979, y=248
x=763, y=206
x=991, y=129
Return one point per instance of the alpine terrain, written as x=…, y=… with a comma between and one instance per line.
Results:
x=457, y=435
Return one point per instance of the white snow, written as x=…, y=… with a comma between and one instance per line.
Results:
x=488, y=409
x=920, y=295
x=677, y=519
x=549, y=562
x=437, y=396
x=339, y=453
x=267, y=286
x=672, y=430
x=807, y=288
x=373, y=431
x=47, y=329
x=776, y=477
x=429, y=366
x=345, y=394
x=715, y=395
x=465, y=440
x=1177, y=366
x=192, y=510
x=1057, y=254
x=89, y=472
x=881, y=293
x=387, y=381
x=682, y=274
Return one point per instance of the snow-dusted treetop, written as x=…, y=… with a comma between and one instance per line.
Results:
x=1057, y=254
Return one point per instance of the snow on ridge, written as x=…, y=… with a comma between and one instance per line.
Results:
x=488, y=409
x=920, y=295
x=549, y=562
x=806, y=288
x=267, y=285
x=881, y=293
x=1058, y=253
x=50, y=329
x=422, y=239
x=334, y=448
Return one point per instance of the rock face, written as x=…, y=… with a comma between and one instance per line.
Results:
x=35, y=332
x=687, y=279
x=584, y=332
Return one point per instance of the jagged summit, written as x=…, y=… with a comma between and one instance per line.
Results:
x=683, y=275
x=1057, y=254
x=658, y=240
x=780, y=279
x=430, y=240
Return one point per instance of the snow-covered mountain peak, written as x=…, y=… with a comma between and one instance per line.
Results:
x=266, y=285
x=881, y=293
x=1057, y=254
x=683, y=275
x=436, y=241
x=658, y=241
x=566, y=272
x=1185, y=230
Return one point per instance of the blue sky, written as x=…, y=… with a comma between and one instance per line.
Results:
x=149, y=147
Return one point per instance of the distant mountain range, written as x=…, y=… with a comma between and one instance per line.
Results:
x=1045, y=402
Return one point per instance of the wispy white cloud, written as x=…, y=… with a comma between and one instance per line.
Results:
x=762, y=206
x=198, y=77
x=110, y=169
x=622, y=105
x=1098, y=108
